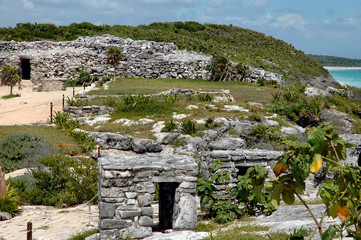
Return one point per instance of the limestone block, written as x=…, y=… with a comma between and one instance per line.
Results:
x=147, y=211
x=145, y=187
x=145, y=221
x=129, y=214
x=115, y=224
x=186, y=215
x=145, y=200
x=106, y=210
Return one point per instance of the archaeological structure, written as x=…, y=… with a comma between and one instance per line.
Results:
x=45, y=62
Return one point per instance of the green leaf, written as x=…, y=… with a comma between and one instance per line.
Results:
x=316, y=137
x=276, y=194
x=288, y=197
x=333, y=211
x=331, y=233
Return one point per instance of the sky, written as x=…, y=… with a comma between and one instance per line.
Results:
x=325, y=27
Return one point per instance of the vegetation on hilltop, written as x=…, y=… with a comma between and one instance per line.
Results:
x=332, y=61
x=238, y=44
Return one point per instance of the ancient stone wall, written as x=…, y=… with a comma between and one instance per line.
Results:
x=143, y=59
x=126, y=192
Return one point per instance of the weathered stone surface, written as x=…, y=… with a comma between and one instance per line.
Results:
x=147, y=211
x=145, y=200
x=5, y=216
x=144, y=145
x=186, y=217
x=338, y=119
x=138, y=232
x=227, y=144
x=106, y=210
x=145, y=221
x=115, y=224
x=179, y=235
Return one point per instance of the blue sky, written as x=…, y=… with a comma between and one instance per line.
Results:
x=327, y=27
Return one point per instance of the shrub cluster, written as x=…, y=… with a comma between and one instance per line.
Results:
x=62, y=181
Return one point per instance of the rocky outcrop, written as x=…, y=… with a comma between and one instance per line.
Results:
x=338, y=119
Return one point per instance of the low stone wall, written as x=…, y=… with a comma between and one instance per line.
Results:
x=236, y=161
x=126, y=191
x=55, y=84
x=87, y=110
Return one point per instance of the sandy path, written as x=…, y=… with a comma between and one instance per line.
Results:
x=30, y=107
x=49, y=222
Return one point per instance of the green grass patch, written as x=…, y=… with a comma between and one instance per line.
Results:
x=11, y=96
x=50, y=134
x=241, y=91
x=84, y=234
x=247, y=232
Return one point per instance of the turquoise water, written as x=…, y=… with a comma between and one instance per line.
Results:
x=350, y=77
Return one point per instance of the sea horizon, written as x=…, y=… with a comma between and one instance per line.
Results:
x=346, y=75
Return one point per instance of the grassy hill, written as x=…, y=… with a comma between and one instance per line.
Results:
x=238, y=44
x=336, y=61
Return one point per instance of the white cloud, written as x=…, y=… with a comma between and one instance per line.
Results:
x=28, y=5
x=259, y=3
x=290, y=21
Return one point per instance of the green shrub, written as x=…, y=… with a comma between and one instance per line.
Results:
x=189, y=127
x=76, y=101
x=170, y=98
x=23, y=150
x=169, y=126
x=104, y=79
x=255, y=117
x=261, y=81
x=64, y=181
x=10, y=202
x=205, y=97
x=81, y=78
x=62, y=120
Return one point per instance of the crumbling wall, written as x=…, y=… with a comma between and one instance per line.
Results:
x=126, y=192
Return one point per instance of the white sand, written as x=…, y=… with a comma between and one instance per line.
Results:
x=30, y=107
x=49, y=222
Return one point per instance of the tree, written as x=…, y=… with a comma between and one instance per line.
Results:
x=9, y=76
x=114, y=55
x=341, y=194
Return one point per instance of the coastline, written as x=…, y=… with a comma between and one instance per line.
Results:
x=342, y=68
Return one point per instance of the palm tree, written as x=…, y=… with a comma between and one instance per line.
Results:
x=9, y=76
x=114, y=55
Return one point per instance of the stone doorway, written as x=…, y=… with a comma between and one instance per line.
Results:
x=166, y=204
x=242, y=170
x=25, y=65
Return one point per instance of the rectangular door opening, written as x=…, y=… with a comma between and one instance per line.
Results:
x=166, y=205
x=25, y=65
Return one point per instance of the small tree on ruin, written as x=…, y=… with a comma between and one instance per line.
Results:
x=9, y=76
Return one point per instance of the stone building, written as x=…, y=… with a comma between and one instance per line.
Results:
x=46, y=60
x=127, y=190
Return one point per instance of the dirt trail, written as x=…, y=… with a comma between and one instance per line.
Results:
x=30, y=107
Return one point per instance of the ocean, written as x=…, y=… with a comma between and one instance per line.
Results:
x=350, y=77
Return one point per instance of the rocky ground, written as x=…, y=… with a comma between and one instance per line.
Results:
x=51, y=223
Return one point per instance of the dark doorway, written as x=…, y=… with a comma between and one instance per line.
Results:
x=166, y=204
x=242, y=170
x=25, y=65
x=359, y=160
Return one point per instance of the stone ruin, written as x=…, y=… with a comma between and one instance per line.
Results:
x=127, y=190
x=47, y=62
